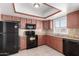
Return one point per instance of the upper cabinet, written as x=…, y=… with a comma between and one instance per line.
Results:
x=9, y=18
x=33, y=21
x=22, y=23
x=29, y=21
x=39, y=25
x=0, y=16
x=46, y=25
x=73, y=20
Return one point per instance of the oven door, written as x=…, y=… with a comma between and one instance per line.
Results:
x=32, y=42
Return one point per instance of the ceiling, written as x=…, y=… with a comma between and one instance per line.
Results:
x=28, y=8
x=43, y=11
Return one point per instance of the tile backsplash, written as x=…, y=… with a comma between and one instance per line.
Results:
x=73, y=32
x=37, y=32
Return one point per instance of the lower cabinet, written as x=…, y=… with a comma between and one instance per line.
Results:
x=49, y=41
x=55, y=42
x=41, y=40
x=22, y=43
x=58, y=44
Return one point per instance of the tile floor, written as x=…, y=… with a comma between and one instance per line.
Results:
x=39, y=51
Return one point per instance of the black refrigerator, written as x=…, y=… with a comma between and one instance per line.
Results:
x=9, y=38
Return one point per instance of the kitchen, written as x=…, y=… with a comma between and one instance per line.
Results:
x=59, y=31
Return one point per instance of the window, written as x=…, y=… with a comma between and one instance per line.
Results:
x=60, y=25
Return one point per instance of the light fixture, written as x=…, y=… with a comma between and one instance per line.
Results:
x=36, y=5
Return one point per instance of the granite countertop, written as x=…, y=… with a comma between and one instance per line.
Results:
x=65, y=36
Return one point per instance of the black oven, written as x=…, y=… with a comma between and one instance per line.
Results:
x=32, y=39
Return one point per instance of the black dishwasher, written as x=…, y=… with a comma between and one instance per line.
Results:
x=71, y=47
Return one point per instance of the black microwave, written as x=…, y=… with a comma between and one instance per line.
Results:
x=30, y=26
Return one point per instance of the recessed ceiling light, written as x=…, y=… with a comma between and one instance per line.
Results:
x=36, y=5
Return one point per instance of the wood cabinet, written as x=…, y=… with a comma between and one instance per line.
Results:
x=73, y=20
x=49, y=41
x=10, y=18
x=46, y=25
x=29, y=21
x=41, y=40
x=58, y=44
x=0, y=17
x=39, y=25
x=34, y=21
x=23, y=43
x=22, y=23
x=55, y=42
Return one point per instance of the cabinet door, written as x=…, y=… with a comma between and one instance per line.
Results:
x=55, y=43
x=73, y=20
x=23, y=23
x=46, y=25
x=41, y=40
x=33, y=21
x=58, y=44
x=29, y=21
x=39, y=25
x=0, y=17
x=23, y=43
x=49, y=41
